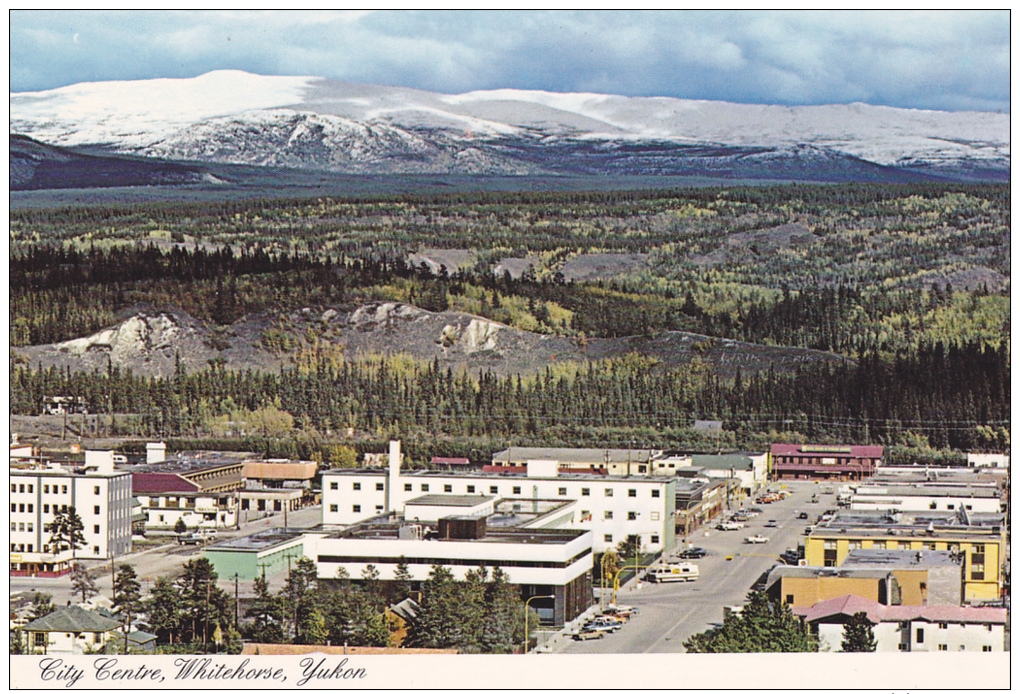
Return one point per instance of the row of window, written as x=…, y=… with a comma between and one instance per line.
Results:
x=30, y=508
x=449, y=561
x=23, y=547
x=654, y=539
x=56, y=489
x=493, y=489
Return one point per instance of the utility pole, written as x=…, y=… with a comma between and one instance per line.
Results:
x=236, y=603
x=205, y=624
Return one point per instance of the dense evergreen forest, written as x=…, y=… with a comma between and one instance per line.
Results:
x=911, y=283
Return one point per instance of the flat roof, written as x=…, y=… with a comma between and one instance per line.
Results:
x=899, y=558
x=576, y=455
x=259, y=541
x=493, y=475
x=458, y=500
x=962, y=491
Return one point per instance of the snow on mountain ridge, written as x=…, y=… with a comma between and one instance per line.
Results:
x=171, y=117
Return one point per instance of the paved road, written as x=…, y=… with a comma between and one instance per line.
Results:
x=671, y=613
x=166, y=560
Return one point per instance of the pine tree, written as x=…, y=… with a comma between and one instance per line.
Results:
x=857, y=635
x=42, y=605
x=66, y=531
x=163, y=609
x=763, y=626
x=267, y=613
x=82, y=583
x=127, y=597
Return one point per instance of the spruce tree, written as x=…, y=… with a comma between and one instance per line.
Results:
x=858, y=636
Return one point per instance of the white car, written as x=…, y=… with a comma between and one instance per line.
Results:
x=729, y=525
x=755, y=539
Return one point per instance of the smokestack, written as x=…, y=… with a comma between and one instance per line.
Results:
x=393, y=481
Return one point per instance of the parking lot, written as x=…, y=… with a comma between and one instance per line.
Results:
x=670, y=613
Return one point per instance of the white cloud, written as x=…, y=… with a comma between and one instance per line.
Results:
x=919, y=59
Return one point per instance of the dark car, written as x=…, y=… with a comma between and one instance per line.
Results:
x=803, y=515
x=693, y=553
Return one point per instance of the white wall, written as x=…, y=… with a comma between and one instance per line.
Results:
x=344, y=504
x=890, y=635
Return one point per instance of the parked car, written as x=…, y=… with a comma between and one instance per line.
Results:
x=772, y=524
x=802, y=515
x=729, y=525
x=692, y=553
x=588, y=634
x=602, y=624
x=756, y=539
x=624, y=612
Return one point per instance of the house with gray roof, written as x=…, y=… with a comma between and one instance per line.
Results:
x=71, y=630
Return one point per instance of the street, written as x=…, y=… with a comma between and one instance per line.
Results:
x=166, y=560
x=670, y=613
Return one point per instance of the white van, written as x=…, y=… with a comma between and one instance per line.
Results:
x=674, y=572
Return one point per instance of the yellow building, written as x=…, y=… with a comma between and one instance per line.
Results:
x=980, y=538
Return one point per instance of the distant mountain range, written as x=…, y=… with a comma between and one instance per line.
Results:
x=311, y=123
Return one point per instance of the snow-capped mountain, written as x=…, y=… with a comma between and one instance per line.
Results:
x=310, y=122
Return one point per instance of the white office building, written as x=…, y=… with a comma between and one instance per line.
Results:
x=977, y=498
x=100, y=496
x=612, y=508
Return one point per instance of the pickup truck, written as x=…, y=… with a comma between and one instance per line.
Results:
x=756, y=539
x=729, y=525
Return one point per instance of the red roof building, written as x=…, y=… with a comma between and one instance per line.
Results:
x=812, y=461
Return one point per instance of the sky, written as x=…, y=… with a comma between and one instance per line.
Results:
x=912, y=59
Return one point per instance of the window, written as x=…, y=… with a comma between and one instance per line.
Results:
x=655, y=493
x=655, y=515
x=424, y=487
x=986, y=649
x=21, y=488
x=40, y=638
x=471, y=489
x=607, y=538
x=21, y=508
x=608, y=515
x=609, y=492
x=447, y=487
x=95, y=550
x=95, y=510
x=379, y=486
x=789, y=599
x=585, y=491
x=333, y=508
x=30, y=546
x=492, y=490
x=517, y=490
x=631, y=515
x=357, y=486
x=988, y=627
x=95, y=529
x=45, y=508
x=95, y=490
x=14, y=526
x=943, y=625
x=919, y=635
x=977, y=573
x=63, y=488
x=655, y=539
x=632, y=492
x=31, y=488
x=378, y=508
x=854, y=544
x=14, y=507
x=904, y=646
x=46, y=489
x=943, y=647
x=14, y=487
x=407, y=487
x=31, y=508
x=21, y=527
x=334, y=486
x=356, y=508
x=563, y=491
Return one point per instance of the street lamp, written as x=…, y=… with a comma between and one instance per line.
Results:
x=526, y=602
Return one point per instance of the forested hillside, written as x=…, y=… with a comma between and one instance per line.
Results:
x=909, y=283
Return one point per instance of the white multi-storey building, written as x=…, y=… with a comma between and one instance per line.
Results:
x=612, y=508
x=526, y=541
x=927, y=497
x=100, y=496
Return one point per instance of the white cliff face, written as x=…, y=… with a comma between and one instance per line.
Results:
x=136, y=338
x=236, y=117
